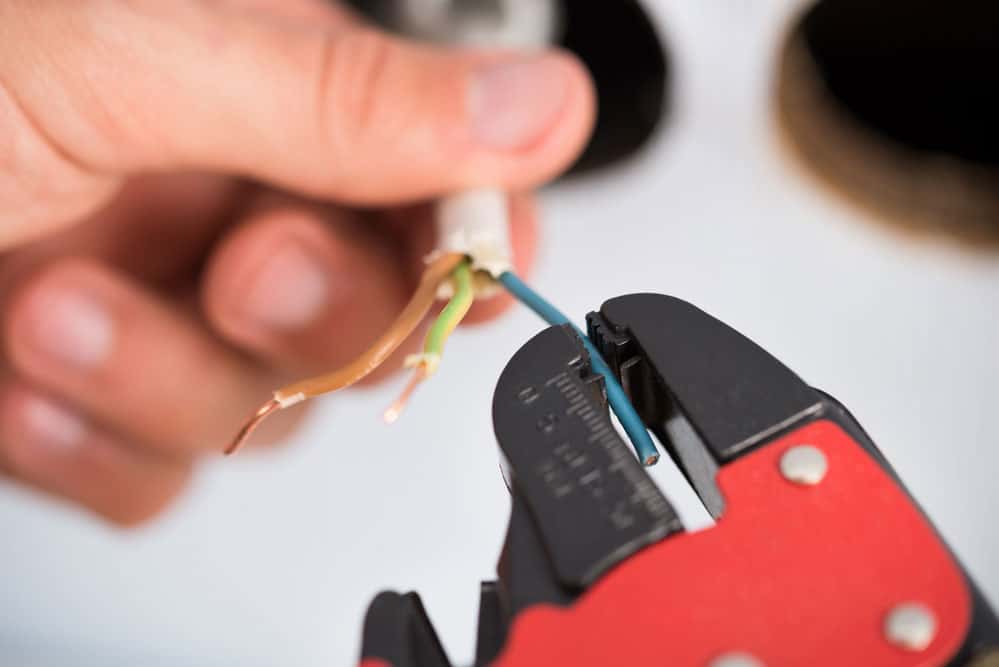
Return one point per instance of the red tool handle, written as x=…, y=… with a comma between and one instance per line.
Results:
x=791, y=574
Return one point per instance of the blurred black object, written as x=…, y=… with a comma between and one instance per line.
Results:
x=619, y=43
x=897, y=102
x=923, y=73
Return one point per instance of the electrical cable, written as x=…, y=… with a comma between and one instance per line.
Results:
x=487, y=238
x=619, y=402
x=426, y=364
x=416, y=310
x=452, y=315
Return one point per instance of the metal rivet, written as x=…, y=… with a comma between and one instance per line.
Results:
x=736, y=659
x=911, y=626
x=804, y=464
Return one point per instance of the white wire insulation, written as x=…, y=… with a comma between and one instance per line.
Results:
x=477, y=223
x=289, y=401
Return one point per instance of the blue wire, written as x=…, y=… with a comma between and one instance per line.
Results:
x=622, y=407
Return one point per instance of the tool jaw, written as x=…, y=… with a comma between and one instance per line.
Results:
x=813, y=522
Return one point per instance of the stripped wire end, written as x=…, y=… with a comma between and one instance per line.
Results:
x=395, y=410
x=619, y=401
x=429, y=360
x=437, y=271
x=267, y=409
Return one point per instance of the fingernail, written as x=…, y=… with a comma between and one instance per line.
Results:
x=289, y=291
x=513, y=104
x=70, y=326
x=47, y=426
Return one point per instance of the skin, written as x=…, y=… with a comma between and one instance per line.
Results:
x=200, y=200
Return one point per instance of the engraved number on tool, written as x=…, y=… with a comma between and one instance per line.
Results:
x=569, y=469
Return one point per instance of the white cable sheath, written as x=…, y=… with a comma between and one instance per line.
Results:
x=477, y=223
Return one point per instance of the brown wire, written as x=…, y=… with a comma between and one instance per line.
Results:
x=407, y=322
x=260, y=415
x=394, y=411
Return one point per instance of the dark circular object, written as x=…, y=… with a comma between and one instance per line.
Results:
x=896, y=103
x=630, y=65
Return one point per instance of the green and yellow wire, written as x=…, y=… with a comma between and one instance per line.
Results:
x=427, y=363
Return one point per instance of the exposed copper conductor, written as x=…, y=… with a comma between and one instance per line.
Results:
x=416, y=310
x=260, y=415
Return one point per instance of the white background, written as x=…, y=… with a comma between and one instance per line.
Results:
x=272, y=560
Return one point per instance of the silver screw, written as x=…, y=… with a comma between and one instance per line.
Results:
x=804, y=464
x=911, y=626
x=735, y=659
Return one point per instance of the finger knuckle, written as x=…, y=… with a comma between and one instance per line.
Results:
x=358, y=71
x=42, y=184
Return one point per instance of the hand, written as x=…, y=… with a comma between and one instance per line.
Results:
x=170, y=252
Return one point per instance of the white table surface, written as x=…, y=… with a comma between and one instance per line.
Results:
x=271, y=560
